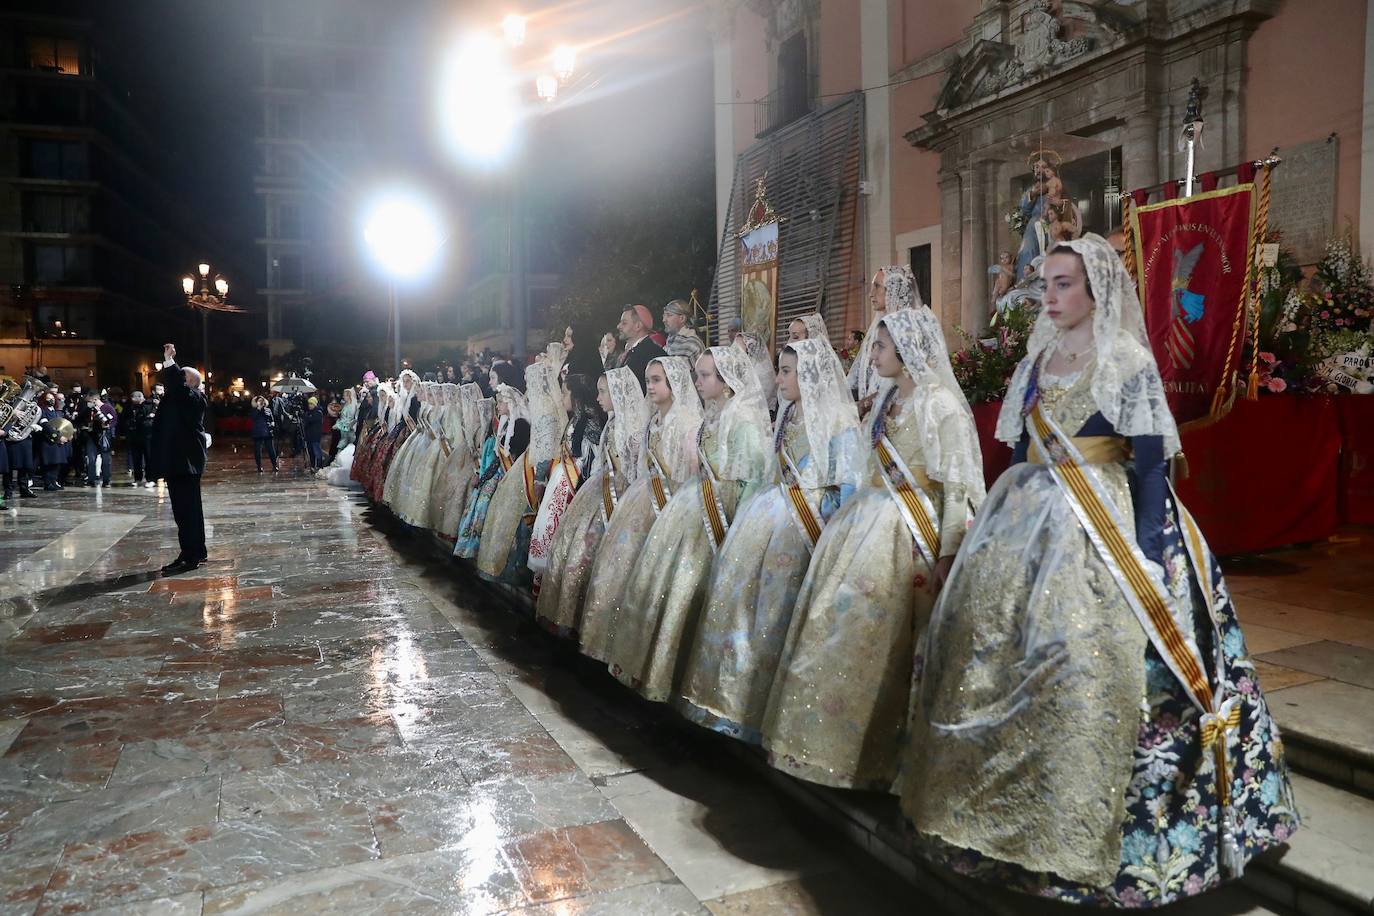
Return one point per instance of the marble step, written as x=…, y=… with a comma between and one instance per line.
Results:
x=1328, y=865
x=1327, y=869
x=1328, y=732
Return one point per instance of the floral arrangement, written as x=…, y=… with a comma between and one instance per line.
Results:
x=1306, y=325
x=984, y=366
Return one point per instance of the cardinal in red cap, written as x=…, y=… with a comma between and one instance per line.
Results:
x=635, y=327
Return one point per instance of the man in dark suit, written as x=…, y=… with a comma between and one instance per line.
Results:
x=636, y=321
x=176, y=453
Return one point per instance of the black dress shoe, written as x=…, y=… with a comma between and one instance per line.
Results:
x=26, y=492
x=179, y=566
x=51, y=487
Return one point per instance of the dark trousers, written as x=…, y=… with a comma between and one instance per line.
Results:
x=316, y=453
x=335, y=438
x=269, y=446
x=51, y=472
x=93, y=450
x=138, y=460
x=184, y=491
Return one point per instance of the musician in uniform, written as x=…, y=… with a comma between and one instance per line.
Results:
x=97, y=423
x=176, y=454
x=16, y=450
x=55, y=444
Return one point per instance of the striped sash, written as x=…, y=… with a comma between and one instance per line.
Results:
x=658, y=481
x=804, y=514
x=714, y=509
x=1148, y=600
x=918, y=512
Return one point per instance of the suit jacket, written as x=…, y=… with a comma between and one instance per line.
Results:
x=176, y=445
x=638, y=357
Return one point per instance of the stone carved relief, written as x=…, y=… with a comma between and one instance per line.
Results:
x=1052, y=36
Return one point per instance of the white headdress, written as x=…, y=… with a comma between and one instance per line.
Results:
x=815, y=326
x=762, y=360
x=678, y=427
x=546, y=414
x=405, y=397
x=900, y=285
x=829, y=416
x=516, y=409
x=631, y=413
x=1125, y=384
x=746, y=408
x=921, y=343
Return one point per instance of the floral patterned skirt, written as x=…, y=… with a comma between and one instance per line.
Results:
x=475, y=516
x=1169, y=848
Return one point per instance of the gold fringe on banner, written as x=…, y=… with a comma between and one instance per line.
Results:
x=1261, y=233
x=1128, y=230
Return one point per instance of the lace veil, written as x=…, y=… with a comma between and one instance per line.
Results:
x=1126, y=385
x=829, y=416
x=516, y=409
x=746, y=408
x=921, y=343
x=405, y=396
x=631, y=414
x=678, y=427
x=815, y=326
x=546, y=414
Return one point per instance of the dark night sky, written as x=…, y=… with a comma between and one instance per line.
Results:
x=193, y=67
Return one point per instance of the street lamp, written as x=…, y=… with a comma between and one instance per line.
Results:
x=404, y=234
x=514, y=28
x=479, y=112
x=205, y=302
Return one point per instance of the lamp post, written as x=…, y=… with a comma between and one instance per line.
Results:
x=403, y=233
x=205, y=301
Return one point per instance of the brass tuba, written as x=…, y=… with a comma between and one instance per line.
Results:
x=19, y=408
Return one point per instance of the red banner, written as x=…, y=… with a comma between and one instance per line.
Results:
x=1193, y=265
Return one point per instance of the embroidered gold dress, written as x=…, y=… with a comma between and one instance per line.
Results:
x=425, y=461
x=617, y=555
x=839, y=700
x=1052, y=749
x=559, y=606
x=398, y=471
x=753, y=589
x=659, y=610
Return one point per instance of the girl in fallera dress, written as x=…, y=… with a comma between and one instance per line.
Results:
x=665, y=462
x=1088, y=724
x=504, y=552
x=465, y=434
x=892, y=289
x=577, y=454
x=413, y=469
x=403, y=416
x=507, y=445
x=817, y=461
x=663, y=599
x=839, y=701
x=575, y=546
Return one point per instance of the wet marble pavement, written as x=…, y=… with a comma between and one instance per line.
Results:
x=324, y=719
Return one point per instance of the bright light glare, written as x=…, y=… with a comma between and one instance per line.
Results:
x=403, y=233
x=564, y=61
x=546, y=87
x=188, y=285
x=514, y=28
x=478, y=109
